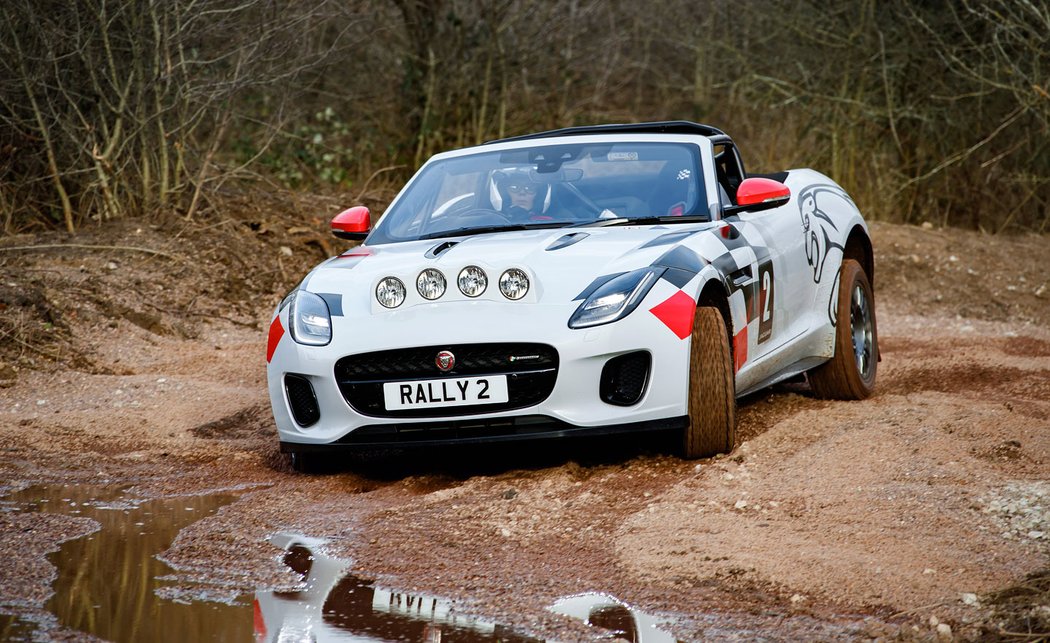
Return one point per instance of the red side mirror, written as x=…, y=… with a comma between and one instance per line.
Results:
x=352, y=224
x=759, y=193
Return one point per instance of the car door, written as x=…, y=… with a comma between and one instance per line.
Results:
x=781, y=293
x=776, y=294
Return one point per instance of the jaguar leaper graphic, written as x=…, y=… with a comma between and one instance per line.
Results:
x=818, y=226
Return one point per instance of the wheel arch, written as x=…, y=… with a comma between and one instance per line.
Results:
x=858, y=247
x=714, y=293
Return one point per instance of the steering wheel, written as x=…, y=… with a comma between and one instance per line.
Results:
x=594, y=208
x=482, y=216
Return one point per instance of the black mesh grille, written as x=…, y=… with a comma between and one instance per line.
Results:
x=531, y=371
x=624, y=378
x=302, y=400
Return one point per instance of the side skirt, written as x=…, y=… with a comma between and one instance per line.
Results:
x=798, y=367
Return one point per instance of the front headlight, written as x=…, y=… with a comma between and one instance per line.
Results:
x=616, y=298
x=472, y=281
x=309, y=320
x=390, y=292
x=514, y=283
x=431, y=284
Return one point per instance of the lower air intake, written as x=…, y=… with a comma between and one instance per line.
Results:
x=302, y=400
x=624, y=378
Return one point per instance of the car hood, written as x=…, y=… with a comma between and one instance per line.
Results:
x=563, y=261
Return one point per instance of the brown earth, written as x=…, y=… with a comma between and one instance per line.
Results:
x=135, y=357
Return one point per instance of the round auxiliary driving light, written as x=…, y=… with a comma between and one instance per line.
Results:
x=514, y=283
x=390, y=292
x=431, y=284
x=472, y=281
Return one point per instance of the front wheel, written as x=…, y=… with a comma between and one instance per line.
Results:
x=850, y=374
x=712, y=388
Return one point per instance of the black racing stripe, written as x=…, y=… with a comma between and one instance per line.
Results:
x=667, y=239
x=595, y=285
x=334, y=301
x=726, y=265
x=679, y=278
x=682, y=258
x=730, y=236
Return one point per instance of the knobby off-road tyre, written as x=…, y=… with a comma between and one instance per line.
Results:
x=850, y=375
x=712, y=388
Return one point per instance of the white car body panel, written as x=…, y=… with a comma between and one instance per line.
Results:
x=786, y=260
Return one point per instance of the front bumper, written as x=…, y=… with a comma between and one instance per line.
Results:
x=574, y=405
x=469, y=432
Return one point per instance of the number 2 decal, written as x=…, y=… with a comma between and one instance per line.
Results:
x=766, y=314
x=765, y=300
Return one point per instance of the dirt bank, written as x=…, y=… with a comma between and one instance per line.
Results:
x=137, y=359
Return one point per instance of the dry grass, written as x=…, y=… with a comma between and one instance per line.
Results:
x=1021, y=612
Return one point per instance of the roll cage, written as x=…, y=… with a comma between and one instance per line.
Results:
x=728, y=166
x=659, y=127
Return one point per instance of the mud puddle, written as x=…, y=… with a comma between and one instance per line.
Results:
x=110, y=584
x=335, y=605
x=15, y=629
x=609, y=613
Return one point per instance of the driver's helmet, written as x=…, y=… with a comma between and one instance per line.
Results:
x=504, y=182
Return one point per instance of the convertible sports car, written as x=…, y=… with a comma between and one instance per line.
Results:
x=589, y=280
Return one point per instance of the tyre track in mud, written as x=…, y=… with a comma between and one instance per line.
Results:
x=830, y=520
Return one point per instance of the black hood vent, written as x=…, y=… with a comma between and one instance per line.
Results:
x=567, y=240
x=440, y=249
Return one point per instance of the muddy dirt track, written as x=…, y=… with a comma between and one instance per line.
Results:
x=901, y=517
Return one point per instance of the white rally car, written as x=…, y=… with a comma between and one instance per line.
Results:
x=589, y=280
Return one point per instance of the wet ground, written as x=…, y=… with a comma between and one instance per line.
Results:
x=112, y=585
x=917, y=514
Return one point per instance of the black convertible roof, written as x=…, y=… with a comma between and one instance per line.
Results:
x=659, y=127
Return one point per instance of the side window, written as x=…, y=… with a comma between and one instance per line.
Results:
x=730, y=172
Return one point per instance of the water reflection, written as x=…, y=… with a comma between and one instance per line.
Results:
x=602, y=610
x=15, y=629
x=107, y=581
x=337, y=606
x=111, y=585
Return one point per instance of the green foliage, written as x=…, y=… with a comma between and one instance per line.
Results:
x=316, y=151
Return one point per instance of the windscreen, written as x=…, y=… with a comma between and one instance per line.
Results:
x=544, y=186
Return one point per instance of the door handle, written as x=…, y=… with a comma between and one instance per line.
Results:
x=740, y=277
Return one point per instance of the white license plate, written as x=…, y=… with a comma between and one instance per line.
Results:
x=460, y=391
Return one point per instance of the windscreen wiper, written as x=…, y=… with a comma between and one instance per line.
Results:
x=601, y=223
x=458, y=232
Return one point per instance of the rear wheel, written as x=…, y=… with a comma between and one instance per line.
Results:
x=712, y=388
x=850, y=375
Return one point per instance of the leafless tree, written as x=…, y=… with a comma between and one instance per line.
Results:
x=123, y=105
x=924, y=111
